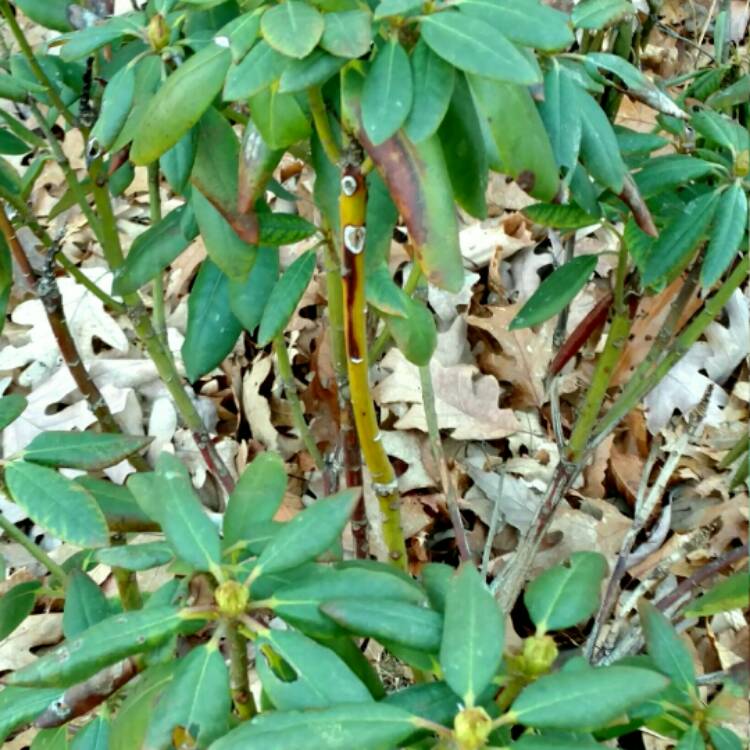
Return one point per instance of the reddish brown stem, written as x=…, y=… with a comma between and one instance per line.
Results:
x=353, y=474
x=631, y=196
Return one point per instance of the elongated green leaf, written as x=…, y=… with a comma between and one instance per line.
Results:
x=85, y=605
x=12, y=89
x=12, y=144
x=525, y=22
x=390, y=8
x=20, y=705
x=180, y=102
x=318, y=678
x=118, y=505
x=260, y=67
x=728, y=230
x=430, y=700
x=119, y=94
x=436, y=578
x=433, y=81
x=555, y=292
x=103, y=644
x=665, y=173
x=678, y=240
x=597, y=14
x=279, y=118
x=583, y=699
x=11, y=407
x=599, y=150
x=52, y=14
x=94, y=736
x=82, y=450
x=256, y=497
x=292, y=28
x=278, y=228
x=347, y=33
x=81, y=43
x=309, y=533
x=387, y=93
x=153, y=250
x=731, y=593
x=723, y=738
x=212, y=329
x=248, y=298
x=400, y=622
x=383, y=293
x=314, y=70
x=257, y=162
x=519, y=135
x=633, y=143
x=197, y=700
x=57, y=504
x=366, y=726
x=415, y=333
x=554, y=742
x=136, y=556
x=721, y=130
x=285, y=297
x=559, y=216
x=475, y=47
x=668, y=652
x=473, y=630
x=566, y=594
x=177, y=163
x=691, y=740
x=15, y=605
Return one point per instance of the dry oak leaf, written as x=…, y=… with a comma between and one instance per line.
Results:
x=34, y=631
x=465, y=400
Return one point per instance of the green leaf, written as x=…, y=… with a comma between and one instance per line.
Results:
x=584, y=699
x=314, y=70
x=555, y=292
x=460, y=132
x=12, y=89
x=256, y=497
x=197, y=700
x=94, y=736
x=309, y=533
x=212, y=329
x=415, y=333
x=153, y=250
x=180, y=102
x=731, y=593
x=599, y=150
x=278, y=228
x=285, y=297
x=231, y=255
x=16, y=605
x=525, y=22
x=103, y=644
x=118, y=505
x=433, y=81
x=663, y=645
x=519, y=135
x=721, y=130
x=393, y=620
x=366, y=726
x=242, y=32
x=20, y=705
x=560, y=215
x=387, y=93
x=436, y=578
x=566, y=594
x=82, y=450
x=597, y=14
x=633, y=143
x=85, y=605
x=248, y=298
x=723, y=738
x=318, y=678
x=292, y=28
x=382, y=292
x=11, y=144
x=473, y=630
x=664, y=173
x=347, y=33
x=82, y=43
x=434, y=701
x=257, y=162
x=119, y=94
x=555, y=742
x=261, y=67
x=11, y=408
x=136, y=556
x=57, y=504
x=691, y=740
x=678, y=240
x=390, y=8
x=279, y=118
x=475, y=47
x=177, y=163
x=52, y=14
x=728, y=230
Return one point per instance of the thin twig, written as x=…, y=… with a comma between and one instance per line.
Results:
x=34, y=550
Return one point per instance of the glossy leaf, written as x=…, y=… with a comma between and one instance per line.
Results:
x=242, y=32
x=279, y=118
x=555, y=292
x=560, y=216
x=436, y=578
x=285, y=297
x=257, y=162
x=292, y=28
x=11, y=144
x=103, y=644
x=212, y=329
x=721, y=130
x=430, y=700
x=197, y=700
x=52, y=14
x=390, y=8
x=664, y=173
x=400, y=622
x=12, y=89
x=278, y=228
x=415, y=333
x=678, y=240
x=723, y=738
x=57, y=504
x=729, y=227
x=20, y=705
x=567, y=594
x=256, y=497
x=555, y=742
x=85, y=605
x=119, y=94
x=93, y=736
x=248, y=299
x=85, y=41
x=667, y=651
x=314, y=70
x=180, y=102
x=731, y=593
x=692, y=739
x=599, y=150
x=475, y=47
x=347, y=33
x=260, y=67
x=473, y=629
x=366, y=726
x=318, y=677
x=136, y=556
x=387, y=93
x=82, y=450
x=309, y=533
x=381, y=291
x=584, y=699
x=177, y=163
x=15, y=605
x=118, y=505
x=11, y=408
x=598, y=14
x=433, y=81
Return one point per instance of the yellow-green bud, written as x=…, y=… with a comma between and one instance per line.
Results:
x=539, y=654
x=158, y=32
x=472, y=727
x=232, y=598
x=742, y=163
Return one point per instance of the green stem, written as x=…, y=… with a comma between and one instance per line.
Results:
x=244, y=703
x=323, y=125
x=154, y=205
x=86, y=282
x=36, y=552
x=290, y=389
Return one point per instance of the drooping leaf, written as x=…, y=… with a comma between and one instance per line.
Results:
x=664, y=173
x=212, y=328
x=292, y=28
x=314, y=70
x=279, y=117
x=57, y=504
x=278, y=228
x=584, y=699
x=731, y=593
x=559, y=216
x=436, y=578
x=555, y=292
x=258, y=69
x=248, y=298
x=136, y=556
x=691, y=740
x=567, y=594
x=473, y=630
x=729, y=228
x=347, y=33
x=177, y=163
x=81, y=43
x=723, y=738
x=257, y=162
x=415, y=333
x=597, y=14
x=721, y=130
x=668, y=652
x=52, y=14
x=119, y=94
x=118, y=505
x=11, y=407
x=82, y=450
x=20, y=705
x=15, y=605
x=433, y=81
x=85, y=605
x=11, y=144
x=382, y=292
